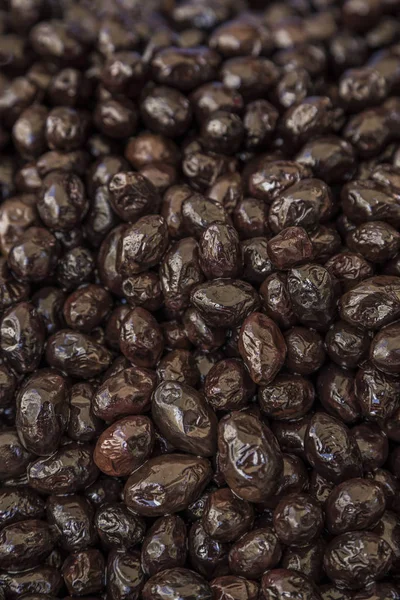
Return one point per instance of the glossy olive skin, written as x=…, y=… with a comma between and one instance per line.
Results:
x=43, y=582
x=285, y=583
x=234, y=588
x=11, y=290
x=224, y=302
x=83, y=572
x=72, y=516
x=258, y=477
x=184, y=418
x=380, y=591
x=311, y=290
x=124, y=446
x=182, y=583
x=42, y=412
x=20, y=504
x=199, y=212
x=226, y=517
x=346, y=345
x=208, y=556
x=355, y=559
x=262, y=347
x=305, y=350
x=331, y=449
x=69, y=470
x=331, y=592
x=373, y=445
x=365, y=201
x=86, y=308
x=254, y=553
x=179, y=272
x=90, y=360
x=307, y=560
x=298, y=519
x=290, y=247
x=178, y=365
x=125, y=574
x=131, y=195
x=62, y=203
x=287, y=397
x=25, y=544
x=164, y=546
x=83, y=425
x=117, y=527
x=353, y=505
x=15, y=456
x=127, y=392
x=200, y=334
x=49, y=302
x=179, y=480
x=228, y=385
x=142, y=245
x=384, y=349
x=34, y=256
x=358, y=306
x=272, y=177
x=141, y=339
x=219, y=252
x=349, y=268
x=337, y=394
x=22, y=336
x=376, y=392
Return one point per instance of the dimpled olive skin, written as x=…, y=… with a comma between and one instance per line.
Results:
x=226, y=517
x=384, y=349
x=179, y=582
x=167, y=483
x=298, y=519
x=179, y=272
x=20, y=504
x=257, y=477
x=200, y=300
x=117, y=527
x=125, y=574
x=355, y=559
x=312, y=294
x=15, y=457
x=337, y=393
x=262, y=347
x=124, y=393
x=353, y=505
x=140, y=338
x=73, y=518
x=359, y=306
x=236, y=588
x=70, y=469
x=164, y=546
x=254, y=553
x=285, y=583
x=142, y=245
x=288, y=397
x=131, y=195
x=22, y=337
x=331, y=449
x=78, y=354
x=224, y=302
x=124, y=446
x=25, y=544
x=184, y=418
x=42, y=412
x=228, y=385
